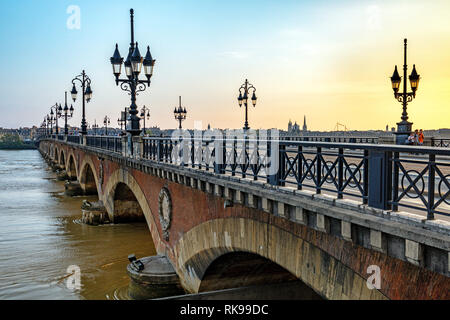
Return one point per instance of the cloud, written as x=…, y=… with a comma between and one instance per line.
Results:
x=234, y=54
x=295, y=33
x=373, y=15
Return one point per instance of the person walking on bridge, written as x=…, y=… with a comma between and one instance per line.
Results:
x=421, y=137
x=416, y=137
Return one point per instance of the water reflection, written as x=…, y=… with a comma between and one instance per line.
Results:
x=40, y=236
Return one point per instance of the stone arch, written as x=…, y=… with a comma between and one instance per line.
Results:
x=71, y=167
x=126, y=206
x=328, y=277
x=50, y=150
x=56, y=154
x=269, y=280
x=88, y=177
x=62, y=158
x=121, y=176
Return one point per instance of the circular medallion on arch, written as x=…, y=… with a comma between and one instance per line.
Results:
x=165, y=211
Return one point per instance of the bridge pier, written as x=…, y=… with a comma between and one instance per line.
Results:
x=62, y=175
x=94, y=213
x=73, y=188
x=157, y=279
x=54, y=166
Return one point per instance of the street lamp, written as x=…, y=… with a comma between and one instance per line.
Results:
x=55, y=115
x=43, y=131
x=404, y=127
x=180, y=114
x=68, y=113
x=85, y=82
x=123, y=119
x=46, y=125
x=106, y=121
x=51, y=120
x=133, y=65
x=95, y=127
x=243, y=98
x=145, y=113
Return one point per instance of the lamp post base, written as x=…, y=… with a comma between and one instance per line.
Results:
x=134, y=132
x=133, y=126
x=404, y=129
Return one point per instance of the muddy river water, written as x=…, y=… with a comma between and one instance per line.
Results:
x=41, y=236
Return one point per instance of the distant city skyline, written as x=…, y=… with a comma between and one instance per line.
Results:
x=328, y=60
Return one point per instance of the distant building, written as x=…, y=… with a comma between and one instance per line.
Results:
x=154, y=131
x=294, y=129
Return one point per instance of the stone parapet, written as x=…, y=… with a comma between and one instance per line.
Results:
x=401, y=235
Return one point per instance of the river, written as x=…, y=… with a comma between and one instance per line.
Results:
x=41, y=236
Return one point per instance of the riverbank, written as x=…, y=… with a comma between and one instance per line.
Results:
x=14, y=142
x=18, y=147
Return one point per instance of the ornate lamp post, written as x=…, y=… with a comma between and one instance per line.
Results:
x=57, y=114
x=145, y=113
x=123, y=119
x=180, y=114
x=46, y=125
x=95, y=127
x=133, y=84
x=404, y=127
x=51, y=120
x=68, y=113
x=43, y=128
x=85, y=82
x=243, y=98
x=106, y=121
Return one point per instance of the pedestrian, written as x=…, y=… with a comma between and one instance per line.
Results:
x=416, y=137
x=411, y=139
x=421, y=137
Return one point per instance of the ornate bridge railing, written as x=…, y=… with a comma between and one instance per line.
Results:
x=382, y=176
x=441, y=142
x=110, y=143
x=74, y=139
x=340, y=139
x=388, y=177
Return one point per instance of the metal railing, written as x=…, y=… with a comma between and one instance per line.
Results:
x=339, y=139
x=74, y=139
x=381, y=176
x=441, y=142
x=110, y=143
x=387, y=177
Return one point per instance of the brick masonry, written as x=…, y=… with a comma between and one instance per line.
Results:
x=202, y=229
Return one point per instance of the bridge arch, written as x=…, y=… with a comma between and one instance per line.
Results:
x=71, y=167
x=120, y=184
x=244, y=269
x=201, y=247
x=88, y=177
x=62, y=158
x=56, y=155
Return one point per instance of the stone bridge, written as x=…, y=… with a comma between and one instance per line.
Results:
x=221, y=229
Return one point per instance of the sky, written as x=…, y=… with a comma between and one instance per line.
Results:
x=326, y=59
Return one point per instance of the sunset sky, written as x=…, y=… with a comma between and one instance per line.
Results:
x=328, y=60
